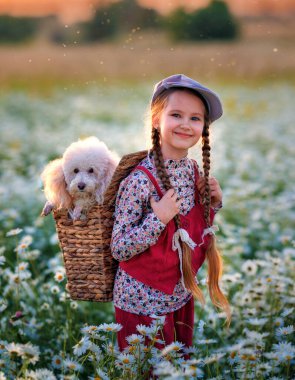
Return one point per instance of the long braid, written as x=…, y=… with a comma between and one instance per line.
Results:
x=215, y=266
x=188, y=275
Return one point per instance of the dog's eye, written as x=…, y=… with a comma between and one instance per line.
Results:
x=76, y=170
x=90, y=170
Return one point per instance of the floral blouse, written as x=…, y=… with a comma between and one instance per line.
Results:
x=137, y=227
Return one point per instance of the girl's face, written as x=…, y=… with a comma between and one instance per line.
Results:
x=180, y=124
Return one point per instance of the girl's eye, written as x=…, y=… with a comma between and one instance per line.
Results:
x=76, y=170
x=195, y=118
x=176, y=115
x=90, y=170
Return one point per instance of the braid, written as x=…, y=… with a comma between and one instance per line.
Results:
x=206, y=168
x=160, y=166
x=214, y=258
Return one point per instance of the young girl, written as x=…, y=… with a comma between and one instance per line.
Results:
x=163, y=219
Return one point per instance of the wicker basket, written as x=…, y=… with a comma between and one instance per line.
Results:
x=90, y=267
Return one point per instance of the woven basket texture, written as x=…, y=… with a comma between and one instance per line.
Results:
x=85, y=244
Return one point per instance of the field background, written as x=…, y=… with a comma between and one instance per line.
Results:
x=51, y=95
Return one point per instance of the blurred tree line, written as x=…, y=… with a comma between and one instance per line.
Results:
x=210, y=23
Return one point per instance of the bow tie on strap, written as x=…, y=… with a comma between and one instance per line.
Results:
x=182, y=235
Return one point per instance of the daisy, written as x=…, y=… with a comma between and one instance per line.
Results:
x=45, y=306
x=283, y=331
x=40, y=374
x=14, y=349
x=59, y=276
x=54, y=289
x=172, y=347
x=287, y=312
x=110, y=327
x=89, y=329
x=14, y=232
x=284, y=350
x=257, y=321
x=206, y=341
x=73, y=365
x=135, y=339
x=125, y=360
x=74, y=305
x=56, y=361
x=142, y=329
x=100, y=375
x=249, y=267
x=30, y=353
x=82, y=346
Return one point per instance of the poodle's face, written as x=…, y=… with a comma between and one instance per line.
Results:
x=82, y=180
x=86, y=165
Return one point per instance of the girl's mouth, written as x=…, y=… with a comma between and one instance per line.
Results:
x=184, y=135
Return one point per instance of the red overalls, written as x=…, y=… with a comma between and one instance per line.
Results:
x=158, y=267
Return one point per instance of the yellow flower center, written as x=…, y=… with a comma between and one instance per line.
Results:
x=126, y=361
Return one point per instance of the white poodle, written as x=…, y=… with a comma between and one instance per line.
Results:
x=78, y=180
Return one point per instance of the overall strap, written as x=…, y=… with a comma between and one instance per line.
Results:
x=152, y=179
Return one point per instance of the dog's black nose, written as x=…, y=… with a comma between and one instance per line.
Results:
x=81, y=185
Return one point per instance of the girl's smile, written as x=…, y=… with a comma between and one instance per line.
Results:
x=180, y=124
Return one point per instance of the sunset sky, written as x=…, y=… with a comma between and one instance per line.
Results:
x=78, y=10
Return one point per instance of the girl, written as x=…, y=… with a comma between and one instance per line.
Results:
x=163, y=219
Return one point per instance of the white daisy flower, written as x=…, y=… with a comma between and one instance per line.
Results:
x=206, y=341
x=135, y=339
x=124, y=360
x=284, y=350
x=283, y=331
x=143, y=329
x=57, y=361
x=40, y=374
x=45, y=306
x=172, y=347
x=257, y=321
x=82, y=346
x=89, y=329
x=73, y=365
x=14, y=232
x=27, y=240
x=249, y=267
x=54, y=289
x=30, y=353
x=74, y=305
x=14, y=348
x=287, y=312
x=110, y=327
x=100, y=375
x=59, y=276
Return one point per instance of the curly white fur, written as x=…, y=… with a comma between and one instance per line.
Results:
x=79, y=179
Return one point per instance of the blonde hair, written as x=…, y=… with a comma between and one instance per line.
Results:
x=213, y=256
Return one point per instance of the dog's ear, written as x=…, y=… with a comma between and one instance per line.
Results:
x=55, y=185
x=108, y=174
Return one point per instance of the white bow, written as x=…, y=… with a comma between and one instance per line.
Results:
x=182, y=234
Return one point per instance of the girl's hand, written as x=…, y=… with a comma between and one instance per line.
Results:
x=215, y=190
x=167, y=207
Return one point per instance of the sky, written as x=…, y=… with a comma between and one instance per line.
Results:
x=79, y=10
